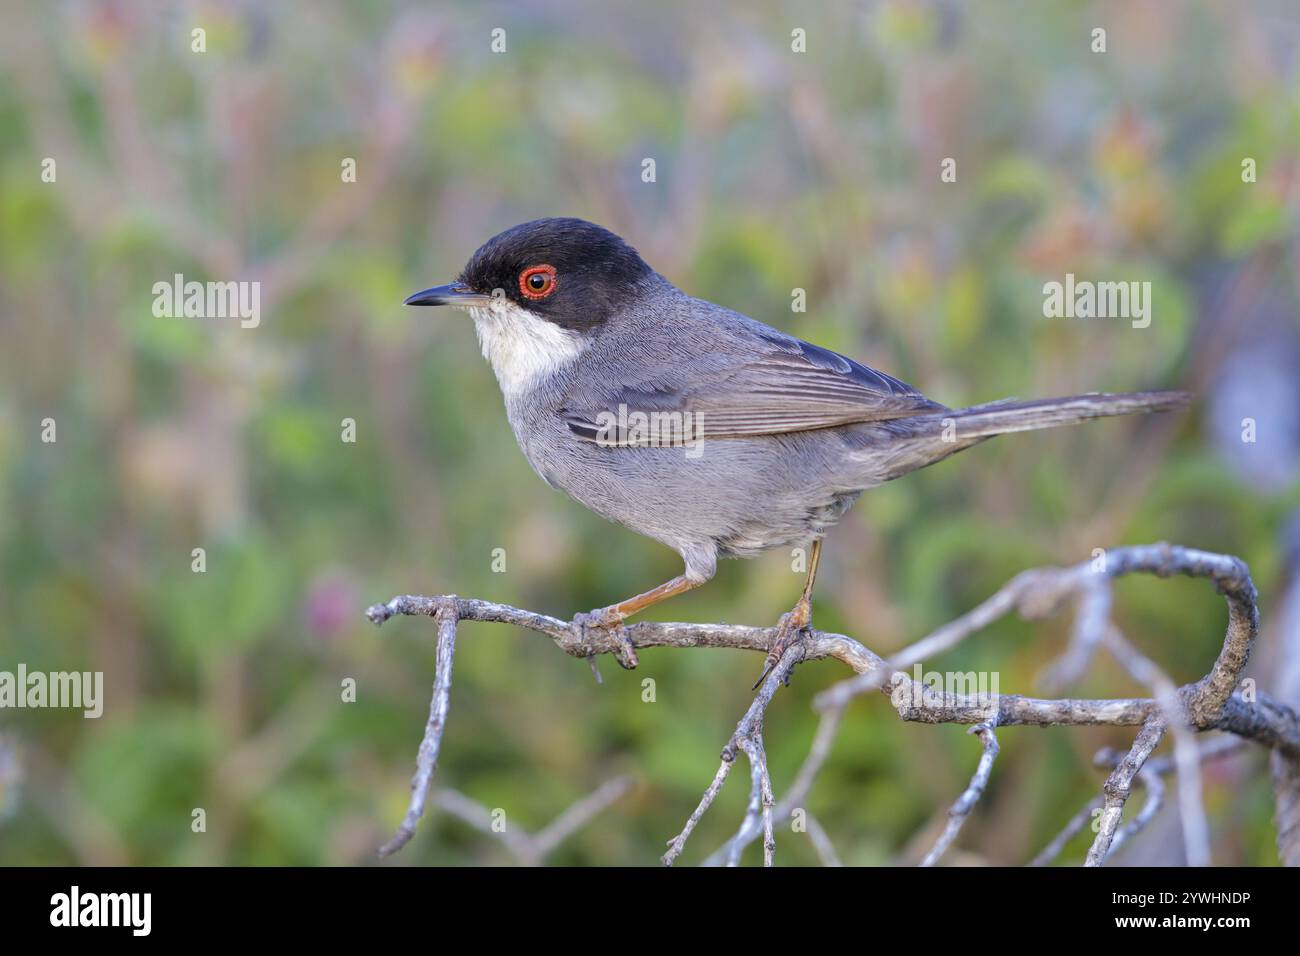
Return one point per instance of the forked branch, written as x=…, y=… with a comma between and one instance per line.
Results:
x=1213, y=703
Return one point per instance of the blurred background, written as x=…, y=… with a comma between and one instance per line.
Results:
x=775, y=170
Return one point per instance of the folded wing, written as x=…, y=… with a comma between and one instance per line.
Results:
x=780, y=385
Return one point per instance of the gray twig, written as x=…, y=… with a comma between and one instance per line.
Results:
x=1118, y=785
x=1068, y=832
x=1155, y=788
x=1196, y=831
x=1109, y=758
x=1210, y=703
x=965, y=803
x=821, y=842
x=532, y=849
x=747, y=738
x=427, y=758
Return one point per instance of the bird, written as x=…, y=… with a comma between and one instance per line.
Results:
x=697, y=426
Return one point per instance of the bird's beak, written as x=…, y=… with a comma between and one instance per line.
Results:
x=456, y=293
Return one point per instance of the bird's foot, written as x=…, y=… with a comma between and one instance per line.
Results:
x=791, y=629
x=609, y=621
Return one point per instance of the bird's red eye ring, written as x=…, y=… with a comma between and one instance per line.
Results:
x=537, y=282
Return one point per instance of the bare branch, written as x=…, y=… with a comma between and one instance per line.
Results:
x=1109, y=758
x=1118, y=786
x=1196, y=831
x=533, y=849
x=747, y=738
x=1076, y=824
x=516, y=842
x=1284, y=670
x=1155, y=788
x=427, y=759
x=760, y=802
x=678, y=843
x=1210, y=703
x=821, y=842
x=1286, y=792
x=577, y=816
x=961, y=809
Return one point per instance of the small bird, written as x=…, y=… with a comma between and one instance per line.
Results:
x=695, y=425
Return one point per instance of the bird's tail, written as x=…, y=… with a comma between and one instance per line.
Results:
x=999, y=418
x=922, y=440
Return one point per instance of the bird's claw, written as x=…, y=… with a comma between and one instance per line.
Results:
x=602, y=619
x=793, y=627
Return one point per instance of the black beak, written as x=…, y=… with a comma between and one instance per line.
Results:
x=457, y=293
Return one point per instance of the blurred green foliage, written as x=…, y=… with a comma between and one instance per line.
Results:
x=775, y=170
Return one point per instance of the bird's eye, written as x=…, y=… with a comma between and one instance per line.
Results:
x=537, y=282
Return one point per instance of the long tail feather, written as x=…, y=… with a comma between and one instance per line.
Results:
x=1000, y=418
x=922, y=440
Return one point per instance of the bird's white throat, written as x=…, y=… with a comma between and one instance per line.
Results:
x=522, y=348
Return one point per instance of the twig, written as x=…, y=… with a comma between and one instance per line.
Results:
x=965, y=803
x=678, y=843
x=1196, y=831
x=427, y=759
x=1108, y=758
x=821, y=842
x=577, y=816
x=1155, y=788
x=1284, y=669
x=747, y=738
x=1041, y=591
x=478, y=816
x=527, y=848
x=1076, y=824
x=760, y=802
x=1208, y=704
x=1118, y=786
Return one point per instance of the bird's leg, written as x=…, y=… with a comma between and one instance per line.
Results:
x=794, y=625
x=614, y=615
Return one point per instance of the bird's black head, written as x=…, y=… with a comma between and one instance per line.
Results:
x=569, y=272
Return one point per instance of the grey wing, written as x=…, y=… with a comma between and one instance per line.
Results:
x=780, y=385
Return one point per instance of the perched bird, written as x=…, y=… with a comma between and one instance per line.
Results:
x=693, y=424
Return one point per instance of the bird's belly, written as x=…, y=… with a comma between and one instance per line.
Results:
x=741, y=496
x=798, y=526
